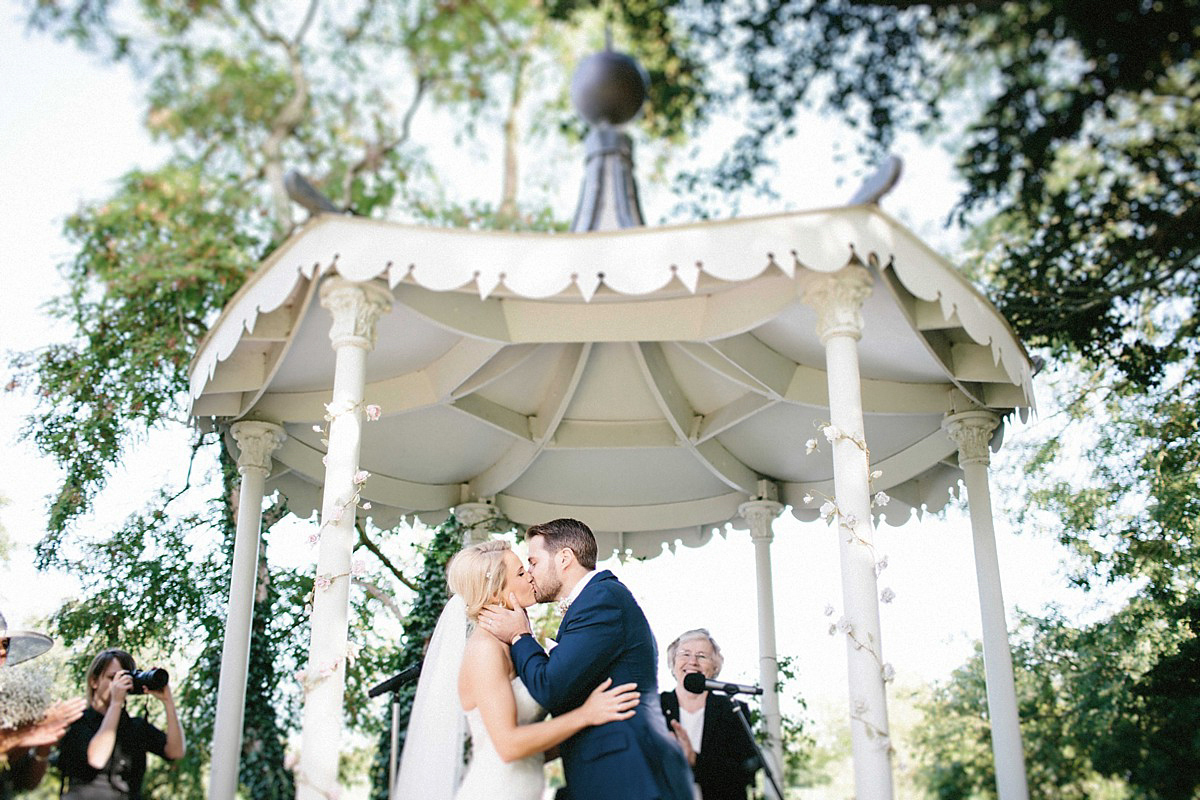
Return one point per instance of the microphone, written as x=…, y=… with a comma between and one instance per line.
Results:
x=696, y=683
x=396, y=681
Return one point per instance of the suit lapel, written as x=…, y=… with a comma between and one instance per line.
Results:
x=582, y=600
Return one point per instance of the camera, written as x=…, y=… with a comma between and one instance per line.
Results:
x=151, y=679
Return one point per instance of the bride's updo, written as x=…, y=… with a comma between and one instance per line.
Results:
x=477, y=574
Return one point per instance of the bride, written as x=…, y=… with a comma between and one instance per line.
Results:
x=467, y=668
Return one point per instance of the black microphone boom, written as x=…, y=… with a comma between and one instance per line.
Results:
x=396, y=681
x=696, y=683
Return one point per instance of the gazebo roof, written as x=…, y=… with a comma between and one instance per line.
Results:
x=647, y=380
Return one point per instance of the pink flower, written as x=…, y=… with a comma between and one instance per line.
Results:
x=374, y=412
x=335, y=516
x=290, y=760
x=314, y=537
x=360, y=477
x=359, y=567
x=323, y=582
x=366, y=506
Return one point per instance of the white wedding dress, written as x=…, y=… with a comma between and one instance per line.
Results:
x=432, y=762
x=488, y=776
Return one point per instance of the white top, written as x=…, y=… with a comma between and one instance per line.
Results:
x=693, y=724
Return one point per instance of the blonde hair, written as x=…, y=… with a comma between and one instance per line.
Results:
x=477, y=574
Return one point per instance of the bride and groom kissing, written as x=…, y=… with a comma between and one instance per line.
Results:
x=484, y=672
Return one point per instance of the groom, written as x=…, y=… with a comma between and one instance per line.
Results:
x=603, y=634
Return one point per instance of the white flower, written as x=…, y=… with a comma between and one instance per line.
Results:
x=876, y=474
x=352, y=650
x=358, y=568
x=850, y=521
x=335, y=516
x=887, y=596
x=367, y=506
x=810, y=446
x=828, y=610
x=832, y=630
x=832, y=432
x=314, y=537
x=360, y=477
x=881, y=565
x=889, y=673
x=808, y=498
x=880, y=499
x=318, y=429
x=374, y=412
x=844, y=626
x=828, y=509
x=290, y=761
x=26, y=693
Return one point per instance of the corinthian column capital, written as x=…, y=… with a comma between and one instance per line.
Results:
x=972, y=431
x=759, y=514
x=257, y=442
x=355, y=307
x=838, y=297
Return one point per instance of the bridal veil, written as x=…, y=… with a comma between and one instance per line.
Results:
x=432, y=765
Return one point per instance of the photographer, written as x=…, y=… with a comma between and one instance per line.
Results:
x=103, y=755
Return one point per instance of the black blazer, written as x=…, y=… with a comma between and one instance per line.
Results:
x=726, y=762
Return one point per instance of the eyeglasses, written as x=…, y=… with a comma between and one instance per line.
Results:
x=684, y=655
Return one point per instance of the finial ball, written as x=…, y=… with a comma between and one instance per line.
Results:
x=608, y=87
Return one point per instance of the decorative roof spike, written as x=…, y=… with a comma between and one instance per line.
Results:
x=608, y=90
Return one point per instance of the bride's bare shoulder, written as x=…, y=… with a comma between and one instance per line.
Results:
x=483, y=649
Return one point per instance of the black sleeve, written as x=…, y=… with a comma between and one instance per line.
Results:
x=151, y=739
x=725, y=755
x=72, y=750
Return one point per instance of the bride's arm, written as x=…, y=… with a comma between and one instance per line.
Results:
x=486, y=671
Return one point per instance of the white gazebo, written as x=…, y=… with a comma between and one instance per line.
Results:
x=656, y=383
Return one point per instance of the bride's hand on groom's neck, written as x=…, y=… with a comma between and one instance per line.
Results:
x=506, y=624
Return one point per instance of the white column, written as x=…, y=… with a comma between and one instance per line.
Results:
x=355, y=308
x=759, y=514
x=256, y=441
x=971, y=431
x=838, y=297
x=473, y=517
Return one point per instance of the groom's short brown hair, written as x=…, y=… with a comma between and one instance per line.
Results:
x=570, y=534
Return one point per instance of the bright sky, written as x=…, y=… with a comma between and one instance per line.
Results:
x=69, y=128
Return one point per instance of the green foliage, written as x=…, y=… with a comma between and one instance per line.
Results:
x=1107, y=710
x=153, y=267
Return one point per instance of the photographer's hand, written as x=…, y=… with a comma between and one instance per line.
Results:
x=175, y=743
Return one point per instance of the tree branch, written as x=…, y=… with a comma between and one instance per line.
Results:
x=366, y=542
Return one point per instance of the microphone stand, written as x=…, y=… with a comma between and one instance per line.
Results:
x=739, y=712
x=395, y=747
x=393, y=685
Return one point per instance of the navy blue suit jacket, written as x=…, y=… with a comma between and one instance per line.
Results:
x=605, y=635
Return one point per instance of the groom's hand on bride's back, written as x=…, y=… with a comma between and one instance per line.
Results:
x=506, y=624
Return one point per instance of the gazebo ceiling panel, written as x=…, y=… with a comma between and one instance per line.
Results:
x=889, y=350
x=708, y=381
x=613, y=387
x=616, y=478
x=405, y=342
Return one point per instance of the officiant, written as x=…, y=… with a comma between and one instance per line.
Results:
x=722, y=759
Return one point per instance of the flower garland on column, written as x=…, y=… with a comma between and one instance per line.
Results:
x=829, y=512
x=323, y=582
